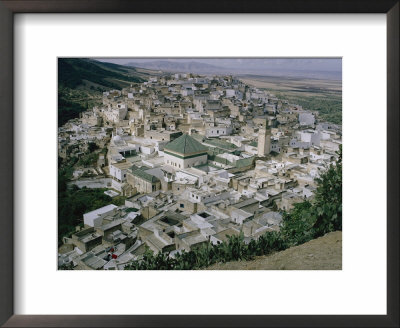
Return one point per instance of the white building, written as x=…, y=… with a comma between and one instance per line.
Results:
x=310, y=136
x=230, y=93
x=95, y=218
x=206, y=196
x=306, y=119
x=116, y=114
x=219, y=130
x=119, y=170
x=239, y=216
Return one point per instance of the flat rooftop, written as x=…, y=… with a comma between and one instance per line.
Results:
x=122, y=165
x=101, y=210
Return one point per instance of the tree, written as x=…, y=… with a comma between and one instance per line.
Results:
x=311, y=220
x=298, y=223
x=66, y=266
x=89, y=160
x=328, y=199
x=92, y=147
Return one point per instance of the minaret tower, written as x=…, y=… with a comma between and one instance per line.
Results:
x=264, y=141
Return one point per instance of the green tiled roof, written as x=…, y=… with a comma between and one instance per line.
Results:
x=220, y=144
x=245, y=162
x=253, y=143
x=144, y=175
x=222, y=160
x=185, y=145
x=197, y=137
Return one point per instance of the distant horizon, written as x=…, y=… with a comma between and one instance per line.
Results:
x=309, y=67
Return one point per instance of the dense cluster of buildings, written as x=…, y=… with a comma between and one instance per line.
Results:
x=197, y=159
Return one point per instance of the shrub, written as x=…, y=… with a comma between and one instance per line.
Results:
x=234, y=249
x=307, y=220
x=328, y=199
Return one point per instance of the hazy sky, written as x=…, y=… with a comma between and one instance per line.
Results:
x=300, y=64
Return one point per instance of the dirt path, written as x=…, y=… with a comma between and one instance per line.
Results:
x=324, y=253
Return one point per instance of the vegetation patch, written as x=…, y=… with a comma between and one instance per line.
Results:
x=74, y=202
x=329, y=106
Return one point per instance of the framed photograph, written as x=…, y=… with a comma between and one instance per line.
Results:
x=176, y=165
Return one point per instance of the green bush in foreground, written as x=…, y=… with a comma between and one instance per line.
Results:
x=304, y=222
x=235, y=249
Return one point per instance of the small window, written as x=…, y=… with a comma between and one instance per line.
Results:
x=181, y=205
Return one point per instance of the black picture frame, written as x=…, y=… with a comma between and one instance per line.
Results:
x=10, y=7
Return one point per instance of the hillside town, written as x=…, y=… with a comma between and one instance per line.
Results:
x=195, y=159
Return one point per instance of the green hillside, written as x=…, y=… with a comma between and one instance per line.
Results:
x=82, y=81
x=72, y=72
